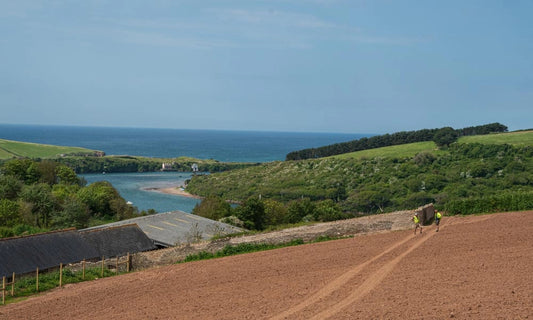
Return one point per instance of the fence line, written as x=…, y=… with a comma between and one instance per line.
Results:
x=83, y=267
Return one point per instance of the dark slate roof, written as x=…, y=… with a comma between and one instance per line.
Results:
x=117, y=241
x=173, y=228
x=48, y=250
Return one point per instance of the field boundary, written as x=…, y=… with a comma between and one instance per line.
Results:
x=400, y=220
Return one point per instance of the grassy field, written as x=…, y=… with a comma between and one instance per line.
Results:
x=399, y=151
x=11, y=149
x=411, y=149
x=524, y=138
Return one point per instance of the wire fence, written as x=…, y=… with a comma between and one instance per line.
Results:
x=22, y=285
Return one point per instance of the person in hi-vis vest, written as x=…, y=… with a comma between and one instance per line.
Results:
x=438, y=216
x=416, y=220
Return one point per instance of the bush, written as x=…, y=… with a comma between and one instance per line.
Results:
x=509, y=201
x=328, y=210
x=6, y=232
x=252, y=213
x=213, y=208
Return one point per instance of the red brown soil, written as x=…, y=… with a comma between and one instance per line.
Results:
x=474, y=268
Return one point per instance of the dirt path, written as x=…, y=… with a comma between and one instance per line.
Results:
x=371, y=282
x=340, y=281
x=473, y=268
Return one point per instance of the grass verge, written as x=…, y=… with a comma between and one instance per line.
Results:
x=25, y=286
x=242, y=248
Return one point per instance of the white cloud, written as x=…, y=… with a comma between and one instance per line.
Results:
x=165, y=40
x=273, y=18
x=384, y=40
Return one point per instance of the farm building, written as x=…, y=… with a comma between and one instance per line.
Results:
x=176, y=227
x=47, y=250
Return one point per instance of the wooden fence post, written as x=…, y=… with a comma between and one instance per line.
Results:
x=128, y=263
x=4, y=290
x=103, y=258
x=60, y=274
x=13, y=285
x=116, y=266
x=37, y=279
x=83, y=269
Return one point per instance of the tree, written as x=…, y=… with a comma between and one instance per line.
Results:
x=73, y=214
x=40, y=202
x=64, y=191
x=298, y=209
x=18, y=168
x=275, y=212
x=445, y=136
x=66, y=175
x=252, y=213
x=9, y=213
x=97, y=196
x=33, y=174
x=327, y=210
x=121, y=209
x=10, y=187
x=371, y=201
x=213, y=208
x=47, y=171
x=424, y=158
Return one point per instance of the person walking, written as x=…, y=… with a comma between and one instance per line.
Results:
x=438, y=216
x=416, y=220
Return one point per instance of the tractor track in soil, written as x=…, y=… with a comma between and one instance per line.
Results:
x=477, y=267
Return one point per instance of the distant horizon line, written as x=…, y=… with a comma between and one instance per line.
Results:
x=184, y=129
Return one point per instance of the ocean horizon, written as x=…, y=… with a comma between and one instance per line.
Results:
x=226, y=146
x=221, y=145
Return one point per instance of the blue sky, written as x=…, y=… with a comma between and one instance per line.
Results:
x=350, y=66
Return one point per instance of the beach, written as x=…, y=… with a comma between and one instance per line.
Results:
x=179, y=191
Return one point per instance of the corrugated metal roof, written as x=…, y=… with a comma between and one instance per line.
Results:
x=176, y=227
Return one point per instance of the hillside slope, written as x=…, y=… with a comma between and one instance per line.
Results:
x=16, y=149
x=393, y=178
x=519, y=138
x=476, y=267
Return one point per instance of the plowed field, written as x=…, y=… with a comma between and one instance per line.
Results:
x=474, y=268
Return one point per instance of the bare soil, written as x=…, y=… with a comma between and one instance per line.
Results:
x=478, y=267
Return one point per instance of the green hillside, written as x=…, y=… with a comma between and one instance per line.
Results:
x=524, y=138
x=89, y=161
x=399, y=151
x=476, y=174
x=5, y=154
x=14, y=149
x=519, y=138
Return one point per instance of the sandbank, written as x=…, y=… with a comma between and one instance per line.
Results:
x=175, y=191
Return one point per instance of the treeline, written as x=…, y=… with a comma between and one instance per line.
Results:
x=44, y=195
x=442, y=136
x=119, y=164
x=256, y=213
x=464, y=178
x=110, y=164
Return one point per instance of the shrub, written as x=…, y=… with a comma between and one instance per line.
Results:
x=509, y=201
x=213, y=208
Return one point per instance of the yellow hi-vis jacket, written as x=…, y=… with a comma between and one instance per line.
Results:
x=415, y=219
x=439, y=215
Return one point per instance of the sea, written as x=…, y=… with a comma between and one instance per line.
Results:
x=221, y=145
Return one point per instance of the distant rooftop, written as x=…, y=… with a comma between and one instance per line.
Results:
x=176, y=227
